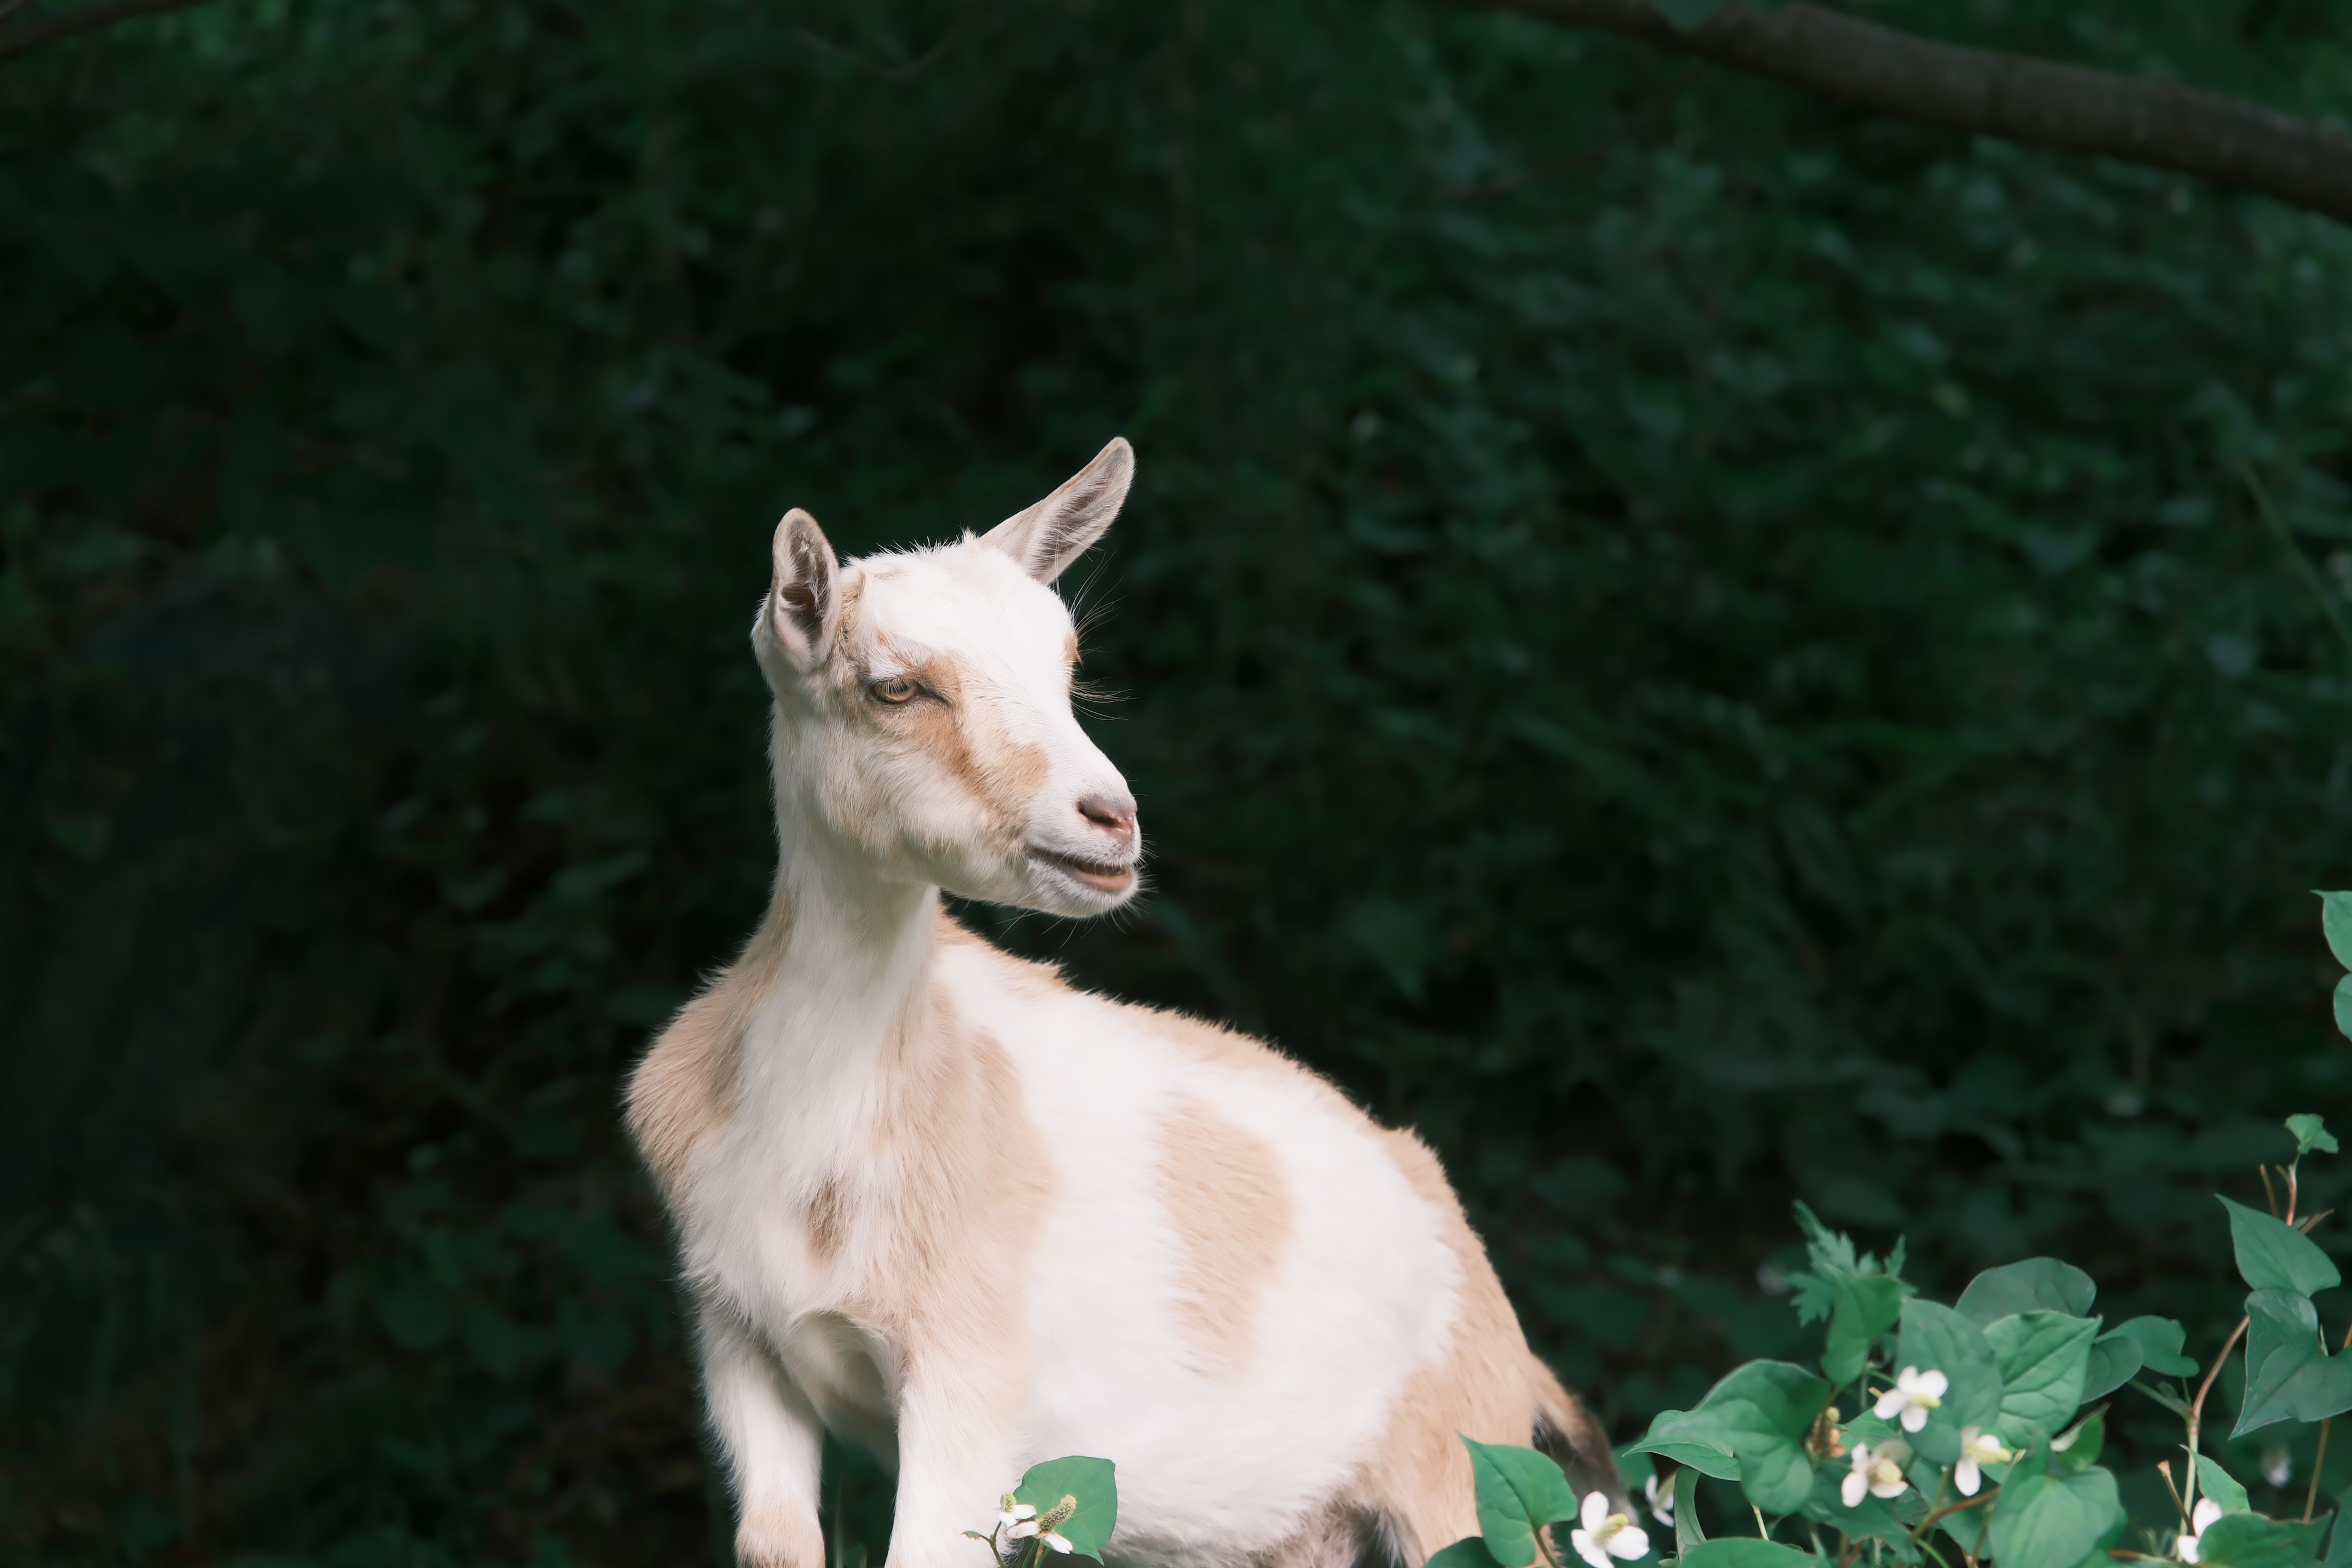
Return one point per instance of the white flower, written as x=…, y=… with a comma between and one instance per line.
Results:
x=2200, y=1522
x=1603, y=1535
x=1878, y=1471
x=1016, y=1519
x=1662, y=1503
x=2278, y=1466
x=1056, y=1540
x=1977, y=1449
x=1915, y=1394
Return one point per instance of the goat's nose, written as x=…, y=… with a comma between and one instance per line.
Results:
x=1112, y=814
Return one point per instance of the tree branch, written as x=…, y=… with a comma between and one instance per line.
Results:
x=2038, y=102
x=87, y=18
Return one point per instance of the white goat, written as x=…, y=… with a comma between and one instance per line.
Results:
x=932, y=1197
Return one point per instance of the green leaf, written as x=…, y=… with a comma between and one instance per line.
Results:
x=1746, y=1552
x=2078, y=1450
x=1092, y=1484
x=2336, y=920
x=2160, y=1340
x=2220, y=1485
x=2036, y=1284
x=1757, y=1417
x=2344, y=1007
x=1867, y=1306
x=2052, y=1521
x=2043, y=1357
x=2275, y=1256
x=1519, y=1491
x=1935, y=1337
x=2114, y=1358
x=2250, y=1540
x=2311, y=1132
x=1687, y=1531
x=2289, y=1375
x=1467, y=1552
x=1834, y=1262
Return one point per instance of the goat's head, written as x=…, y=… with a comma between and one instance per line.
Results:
x=923, y=705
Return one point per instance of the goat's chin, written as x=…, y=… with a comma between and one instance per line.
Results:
x=1053, y=885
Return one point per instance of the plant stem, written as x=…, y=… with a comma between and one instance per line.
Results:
x=1759, y=1521
x=2318, y=1463
x=2197, y=1412
x=1961, y=1507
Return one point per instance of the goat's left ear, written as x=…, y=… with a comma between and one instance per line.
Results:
x=1056, y=531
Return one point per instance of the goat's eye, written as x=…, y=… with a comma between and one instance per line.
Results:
x=894, y=689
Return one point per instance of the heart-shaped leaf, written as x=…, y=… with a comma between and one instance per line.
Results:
x=2034, y=1284
x=2288, y=1376
x=1746, y=1552
x=1867, y=1306
x=2043, y=1359
x=1936, y=1338
x=1467, y=1552
x=2275, y=1256
x=1091, y=1484
x=2052, y=1521
x=1749, y=1429
x=1519, y=1492
x=2250, y=1540
x=2220, y=1486
x=2336, y=921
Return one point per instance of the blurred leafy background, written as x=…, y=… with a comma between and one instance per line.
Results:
x=1701, y=648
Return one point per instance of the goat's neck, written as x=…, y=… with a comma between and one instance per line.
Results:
x=845, y=993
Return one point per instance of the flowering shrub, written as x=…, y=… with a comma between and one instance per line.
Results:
x=1962, y=1433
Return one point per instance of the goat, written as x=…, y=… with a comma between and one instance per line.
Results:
x=932, y=1197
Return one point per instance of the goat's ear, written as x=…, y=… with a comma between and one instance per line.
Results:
x=804, y=609
x=1056, y=531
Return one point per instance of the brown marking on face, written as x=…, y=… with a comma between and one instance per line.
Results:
x=684, y=1088
x=1487, y=1386
x=1001, y=776
x=1225, y=1194
x=1070, y=650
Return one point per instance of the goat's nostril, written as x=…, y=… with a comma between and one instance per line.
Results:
x=1115, y=814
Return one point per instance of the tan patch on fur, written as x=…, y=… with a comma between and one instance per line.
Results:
x=1488, y=1386
x=826, y=1221
x=685, y=1085
x=1338, y=1536
x=1225, y=1048
x=1222, y=1188
x=972, y=1185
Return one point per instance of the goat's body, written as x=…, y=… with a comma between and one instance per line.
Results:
x=1139, y=1237
x=930, y=1197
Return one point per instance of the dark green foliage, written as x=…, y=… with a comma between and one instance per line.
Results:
x=1702, y=649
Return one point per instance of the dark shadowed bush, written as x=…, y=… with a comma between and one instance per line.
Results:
x=1701, y=648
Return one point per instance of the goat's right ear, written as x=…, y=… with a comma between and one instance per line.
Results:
x=804, y=609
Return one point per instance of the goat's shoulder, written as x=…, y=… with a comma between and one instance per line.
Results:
x=1206, y=1053
x=684, y=1086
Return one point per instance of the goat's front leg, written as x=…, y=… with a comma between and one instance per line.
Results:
x=774, y=1442
x=956, y=1457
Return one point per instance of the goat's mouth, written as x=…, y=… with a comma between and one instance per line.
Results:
x=1102, y=876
